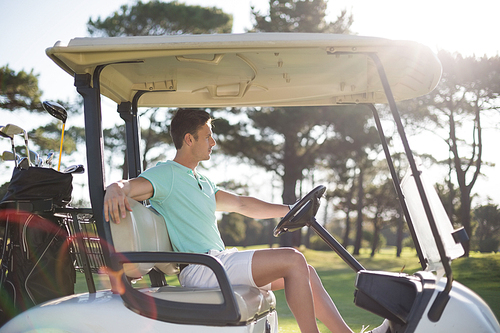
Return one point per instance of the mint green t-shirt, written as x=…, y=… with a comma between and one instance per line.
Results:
x=187, y=203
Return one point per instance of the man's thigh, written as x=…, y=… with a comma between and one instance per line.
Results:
x=238, y=266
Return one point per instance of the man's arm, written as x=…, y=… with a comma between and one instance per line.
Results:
x=115, y=199
x=248, y=206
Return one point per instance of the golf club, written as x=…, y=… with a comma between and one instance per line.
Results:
x=48, y=161
x=35, y=157
x=57, y=111
x=12, y=130
x=11, y=137
x=9, y=156
x=24, y=164
x=77, y=168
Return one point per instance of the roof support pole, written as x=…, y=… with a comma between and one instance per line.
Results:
x=88, y=87
x=443, y=297
x=128, y=112
x=396, y=181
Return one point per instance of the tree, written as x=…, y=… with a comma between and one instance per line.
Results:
x=289, y=138
x=156, y=18
x=19, y=90
x=349, y=157
x=152, y=19
x=300, y=16
x=292, y=140
x=232, y=229
x=469, y=87
x=345, y=193
x=253, y=235
x=383, y=205
x=47, y=138
x=487, y=233
x=400, y=165
x=156, y=134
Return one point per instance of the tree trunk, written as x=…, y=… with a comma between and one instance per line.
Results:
x=347, y=230
x=465, y=189
x=451, y=191
x=376, y=232
x=359, y=219
x=465, y=204
x=399, y=239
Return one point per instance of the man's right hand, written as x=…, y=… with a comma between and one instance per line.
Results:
x=116, y=204
x=115, y=200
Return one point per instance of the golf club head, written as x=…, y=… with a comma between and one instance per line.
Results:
x=11, y=129
x=4, y=134
x=35, y=157
x=56, y=110
x=77, y=168
x=9, y=156
x=49, y=159
x=59, y=112
x=24, y=164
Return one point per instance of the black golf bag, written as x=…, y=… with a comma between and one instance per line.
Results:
x=35, y=259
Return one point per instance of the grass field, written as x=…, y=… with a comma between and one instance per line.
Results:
x=479, y=272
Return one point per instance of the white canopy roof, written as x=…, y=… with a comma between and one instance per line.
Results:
x=254, y=69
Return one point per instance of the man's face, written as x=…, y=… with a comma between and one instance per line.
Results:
x=202, y=147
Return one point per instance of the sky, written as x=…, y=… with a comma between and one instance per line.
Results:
x=28, y=27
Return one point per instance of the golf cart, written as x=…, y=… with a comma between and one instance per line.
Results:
x=246, y=70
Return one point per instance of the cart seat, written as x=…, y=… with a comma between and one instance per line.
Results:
x=144, y=230
x=252, y=302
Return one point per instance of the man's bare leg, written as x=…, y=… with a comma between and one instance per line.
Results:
x=326, y=311
x=287, y=268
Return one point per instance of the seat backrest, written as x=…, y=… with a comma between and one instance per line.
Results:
x=142, y=230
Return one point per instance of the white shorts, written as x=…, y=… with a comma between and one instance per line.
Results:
x=238, y=266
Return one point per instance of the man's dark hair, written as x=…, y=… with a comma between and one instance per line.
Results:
x=187, y=121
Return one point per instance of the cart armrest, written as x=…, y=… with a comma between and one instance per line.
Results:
x=226, y=313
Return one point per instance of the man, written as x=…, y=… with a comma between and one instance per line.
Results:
x=188, y=202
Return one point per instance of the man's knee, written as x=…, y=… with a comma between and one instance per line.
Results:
x=295, y=258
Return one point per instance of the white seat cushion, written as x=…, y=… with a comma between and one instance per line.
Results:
x=251, y=301
x=142, y=230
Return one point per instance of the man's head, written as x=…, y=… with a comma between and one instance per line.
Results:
x=187, y=121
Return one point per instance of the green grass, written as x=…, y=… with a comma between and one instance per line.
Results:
x=479, y=272
x=338, y=280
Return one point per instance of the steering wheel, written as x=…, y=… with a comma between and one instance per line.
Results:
x=301, y=213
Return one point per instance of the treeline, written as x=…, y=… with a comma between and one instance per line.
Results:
x=237, y=230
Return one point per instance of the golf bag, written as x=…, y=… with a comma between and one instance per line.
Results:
x=35, y=260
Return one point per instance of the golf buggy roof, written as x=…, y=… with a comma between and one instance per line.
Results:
x=255, y=69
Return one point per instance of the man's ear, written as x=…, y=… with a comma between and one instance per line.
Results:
x=188, y=139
